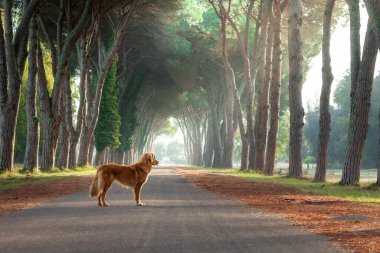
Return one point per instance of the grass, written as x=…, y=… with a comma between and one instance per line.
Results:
x=18, y=178
x=365, y=193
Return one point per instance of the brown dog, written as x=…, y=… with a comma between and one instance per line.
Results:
x=133, y=176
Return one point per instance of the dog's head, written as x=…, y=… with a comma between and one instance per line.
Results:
x=149, y=159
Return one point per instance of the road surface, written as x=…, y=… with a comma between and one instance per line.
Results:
x=178, y=217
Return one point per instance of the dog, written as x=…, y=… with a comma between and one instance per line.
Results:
x=133, y=176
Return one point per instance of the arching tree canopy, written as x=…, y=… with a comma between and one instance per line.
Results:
x=228, y=73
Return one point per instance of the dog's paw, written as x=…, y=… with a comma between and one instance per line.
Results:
x=140, y=204
x=106, y=204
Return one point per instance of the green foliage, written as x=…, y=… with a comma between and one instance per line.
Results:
x=168, y=128
x=340, y=116
x=192, y=12
x=107, y=129
x=309, y=159
x=127, y=108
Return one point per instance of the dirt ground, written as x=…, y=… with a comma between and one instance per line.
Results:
x=356, y=227
x=34, y=194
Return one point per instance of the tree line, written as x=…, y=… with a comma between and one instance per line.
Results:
x=80, y=76
x=66, y=78
x=242, y=46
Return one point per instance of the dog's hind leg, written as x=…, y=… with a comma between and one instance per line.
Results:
x=104, y=192
x=137, y=191
x=99, y=200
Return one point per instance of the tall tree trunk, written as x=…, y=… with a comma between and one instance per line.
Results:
x=261, y=123
x=208, y=147
x=265, y=9
x=275, y=90
x=64, y=136
x=295, y=88
x=354, y=10
x=84, y=147
x=50, y=120
x=9, y=111
x=373, y=10
x=230, y=100
x=378, y=157
x=50, y=134
x=72, y=154
x=91, y=150
x=248, y=86
x=51, y=106
x=99, y=158
x=32, y=141
x=360, y=104
x=327, y=79
x=214, y=124
x=76, y=132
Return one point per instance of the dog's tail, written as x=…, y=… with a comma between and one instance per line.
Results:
x=94, y=188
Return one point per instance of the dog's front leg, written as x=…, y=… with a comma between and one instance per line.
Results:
x=137, y=195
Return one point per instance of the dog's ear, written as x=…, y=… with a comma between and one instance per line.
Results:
x=149, y=158
x=152, y=158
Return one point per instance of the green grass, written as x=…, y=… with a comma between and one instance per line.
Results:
x=18, y=178
x=365, y=193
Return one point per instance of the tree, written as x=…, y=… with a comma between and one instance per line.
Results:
x=360, y=106
x=263, y=80
x=105, y=59
x=295, y=82
x=107, y=129
x=274, y=89
x=51, y=105
x=31, y=150
x=327, y=79
x=12, y=61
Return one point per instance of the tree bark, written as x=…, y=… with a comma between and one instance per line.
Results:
x=208, y=147
x=275, y=89
x=9, y=112
x=360, y=104
x=354, y=11
x=265, y=9
x=98, y=158
x=3, y=71
x=245, y=135
x=64, y=136
x=84, y=147
x=378, y=158
x=213, y=97
x=76, y=132
x=261, y=123
x=324, y=107
x=91, y=150
x=32, y=139
x=50, y=120
x=22, y=29
x=295, y=88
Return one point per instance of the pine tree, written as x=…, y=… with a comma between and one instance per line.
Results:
x=107, y=128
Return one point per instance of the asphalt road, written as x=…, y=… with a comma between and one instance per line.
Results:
x=178, y=217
